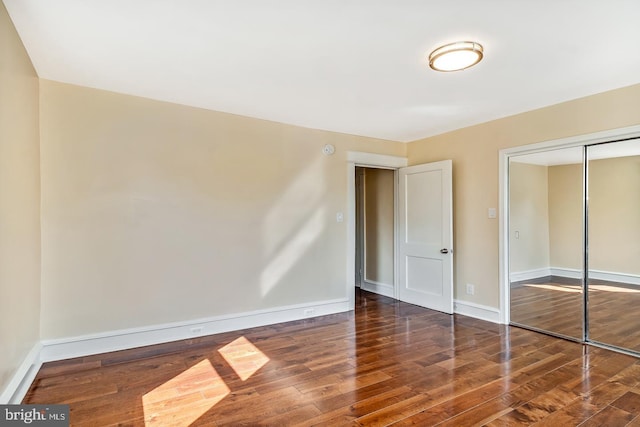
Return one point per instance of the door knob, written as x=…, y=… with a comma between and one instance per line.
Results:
x=444, y=251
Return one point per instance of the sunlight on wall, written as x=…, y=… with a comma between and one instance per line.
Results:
x=244, y=357
x=292, y=225
x=180, y=401
x=293, y=206
x=294, y=249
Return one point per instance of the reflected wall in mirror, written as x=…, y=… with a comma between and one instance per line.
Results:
x=614, y=244
x=545, y=241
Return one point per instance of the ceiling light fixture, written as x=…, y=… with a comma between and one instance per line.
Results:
x=455, y=56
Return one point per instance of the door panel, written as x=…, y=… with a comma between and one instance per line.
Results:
x=613, y=286
x=425, y=225
x=424, y=218
x=545, y=241
x=424, y=267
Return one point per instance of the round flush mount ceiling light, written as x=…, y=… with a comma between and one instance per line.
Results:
x=455, y=56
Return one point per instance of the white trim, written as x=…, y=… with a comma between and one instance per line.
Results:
x=610, y=276
x=19, y=385
x=576, y=273
x=518, y=276
x=476, y=311
x=503, y=239
x=504, y=154
x=380, y=160
x=569, y=273
x=85, y=345
x=575, y=141
x=396, y=234
x=351, y=235
x=378, y=288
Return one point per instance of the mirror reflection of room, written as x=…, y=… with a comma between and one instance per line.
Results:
x=614, y=244
x=545, y=241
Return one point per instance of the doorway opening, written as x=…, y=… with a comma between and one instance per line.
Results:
x=422, y=232
x=375, y=230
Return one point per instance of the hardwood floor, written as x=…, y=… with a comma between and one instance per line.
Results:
x=555, y=305
x=550, y=305
x=389, y=363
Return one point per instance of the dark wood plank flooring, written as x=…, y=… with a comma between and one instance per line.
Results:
x=556, y=306
x=389, y=363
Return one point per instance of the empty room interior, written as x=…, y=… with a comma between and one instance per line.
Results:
x=305, y=213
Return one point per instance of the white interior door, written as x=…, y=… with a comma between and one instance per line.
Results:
x=425, y=237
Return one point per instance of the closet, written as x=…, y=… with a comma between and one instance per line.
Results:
x=573, y=225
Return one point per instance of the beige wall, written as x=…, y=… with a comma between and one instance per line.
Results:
x=565, y=216
x=19, y=203
x=474, y=151
x=155, y=212
x=379, y=231
x=529, y=217
x=614, y=215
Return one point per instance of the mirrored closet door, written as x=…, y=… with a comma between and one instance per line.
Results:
x=574, y=243
x=613, y=283
x=546, y=241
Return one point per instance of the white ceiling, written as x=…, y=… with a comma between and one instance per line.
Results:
x=352, y=66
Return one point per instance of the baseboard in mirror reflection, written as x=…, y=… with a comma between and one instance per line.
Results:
x=572, y=273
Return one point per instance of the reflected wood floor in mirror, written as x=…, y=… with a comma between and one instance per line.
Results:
x=387, y=363
x=555, y=304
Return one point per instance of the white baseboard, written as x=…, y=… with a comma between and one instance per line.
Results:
x=629, y=279
x=19, y=385
x=609, y=276
x=570, y=273
x=519, y=276
x=66, y=348
x=477, y=311
x=378, y=288
x=574, y=273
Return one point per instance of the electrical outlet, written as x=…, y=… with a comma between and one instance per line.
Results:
x=309, y=312
x=196, y=330
x=470, y=289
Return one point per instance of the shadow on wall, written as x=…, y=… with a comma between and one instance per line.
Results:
x=292, y=225
x=263, y=240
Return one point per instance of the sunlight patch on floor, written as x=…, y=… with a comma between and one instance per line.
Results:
x=184, y=398
x=568, y=288
x=244, y=357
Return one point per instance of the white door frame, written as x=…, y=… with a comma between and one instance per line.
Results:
x=358, y=158
x=504, y=155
